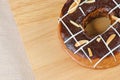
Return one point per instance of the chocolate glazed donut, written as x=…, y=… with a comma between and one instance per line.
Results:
x=99, y=51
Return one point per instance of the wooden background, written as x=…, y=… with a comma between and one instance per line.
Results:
x=37, y=23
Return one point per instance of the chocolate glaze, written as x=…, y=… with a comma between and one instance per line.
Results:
x=99, y=8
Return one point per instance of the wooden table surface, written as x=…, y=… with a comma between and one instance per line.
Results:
x=37, y=23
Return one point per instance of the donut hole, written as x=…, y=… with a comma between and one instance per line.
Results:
x=97, y=26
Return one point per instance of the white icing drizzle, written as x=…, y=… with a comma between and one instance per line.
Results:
x=82, y=3
x=86, y=55
x=98, y=36
x=116, y=3
x=105, y=56
x=62, y=17
x=85, y=45
x=68, y=11
x=82, y=11
x=69, y=31
x=108, y=47
x=113, y=9
x=72, y=36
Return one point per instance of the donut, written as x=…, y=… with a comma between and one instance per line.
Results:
x=99, y=51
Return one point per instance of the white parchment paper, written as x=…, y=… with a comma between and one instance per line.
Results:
x=14, y=64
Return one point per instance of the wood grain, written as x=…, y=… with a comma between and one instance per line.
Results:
x=37, y=23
